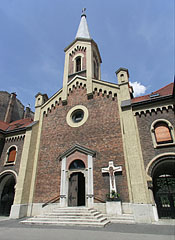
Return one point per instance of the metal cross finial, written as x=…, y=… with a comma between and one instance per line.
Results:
x=83, y=12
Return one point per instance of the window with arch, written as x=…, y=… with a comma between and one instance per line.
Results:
x=162, y=133
x=78, y=64
x=77, y=164
x=11, y=155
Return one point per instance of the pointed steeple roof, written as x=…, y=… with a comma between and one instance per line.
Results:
x=83, y=31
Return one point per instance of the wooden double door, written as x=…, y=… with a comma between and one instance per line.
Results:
x=76, y=194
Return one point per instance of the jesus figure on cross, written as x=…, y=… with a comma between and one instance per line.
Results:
x=111, y=171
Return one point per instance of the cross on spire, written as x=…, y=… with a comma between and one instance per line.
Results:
x=83, y=12
x=111, y=170
x=83, y=31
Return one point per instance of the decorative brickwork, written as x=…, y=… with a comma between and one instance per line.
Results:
x=101, y=133
x=144, y=126
x=15, y=167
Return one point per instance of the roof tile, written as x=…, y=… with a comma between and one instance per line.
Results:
x=164, y=91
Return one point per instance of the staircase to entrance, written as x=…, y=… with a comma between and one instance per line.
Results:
x=81, y=216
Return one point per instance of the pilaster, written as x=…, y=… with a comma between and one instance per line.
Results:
x=138, y=191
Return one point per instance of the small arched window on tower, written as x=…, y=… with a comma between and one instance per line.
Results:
x=78, y=64
x=162, y=133
x=11, y=155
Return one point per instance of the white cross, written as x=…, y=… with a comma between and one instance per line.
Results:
x=112, y=170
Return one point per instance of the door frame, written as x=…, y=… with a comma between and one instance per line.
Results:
x=88, y=174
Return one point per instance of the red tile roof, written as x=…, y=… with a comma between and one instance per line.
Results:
x=16, y=124
x=164, y=91
x=3, y=125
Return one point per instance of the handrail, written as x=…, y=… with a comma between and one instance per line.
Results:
x=99, y=199
x=53, y=200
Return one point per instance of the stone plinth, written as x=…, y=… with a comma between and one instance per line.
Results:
x=113, y=208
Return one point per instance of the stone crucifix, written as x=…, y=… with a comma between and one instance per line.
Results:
x=111, y=170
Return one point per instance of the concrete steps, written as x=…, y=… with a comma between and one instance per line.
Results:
x=124, y=218
x=81, y=216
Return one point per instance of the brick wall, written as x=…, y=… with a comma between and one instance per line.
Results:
x=144, y=126
x=19, y=143
x=101, y=133
x=18, y=110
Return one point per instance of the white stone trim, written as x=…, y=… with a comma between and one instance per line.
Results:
x=154, y=108
x=171, y=129
x=63, y=194
x=64, y=187
x=90, y=188
x=9, y=172
x=81, y=55
x=69, y=116
x=7, y=155
x=149, y=178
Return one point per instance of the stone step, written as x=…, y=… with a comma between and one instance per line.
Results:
x=70, y=216
x=121, y=221
x=57, y=210
x=124, y=218
x=87, y=224
x=66, y=219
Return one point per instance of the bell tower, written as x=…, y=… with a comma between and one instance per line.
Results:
x=82, y=58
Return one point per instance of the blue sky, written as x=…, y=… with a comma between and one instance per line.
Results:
x=135, y=34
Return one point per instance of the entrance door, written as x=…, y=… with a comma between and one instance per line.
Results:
x=165, y=196
x=76, y=189
x=7, y=194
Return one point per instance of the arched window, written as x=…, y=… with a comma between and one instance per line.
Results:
x=77, y=164
x=78, y=64
x=162, y=133
x=11, y=155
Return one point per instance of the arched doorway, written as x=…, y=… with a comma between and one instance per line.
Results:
x=7, y=192
x=164, y=188
x=76, y=193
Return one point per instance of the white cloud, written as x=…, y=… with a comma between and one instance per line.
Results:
x=138, y=88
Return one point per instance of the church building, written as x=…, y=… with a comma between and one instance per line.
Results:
x=92, y=144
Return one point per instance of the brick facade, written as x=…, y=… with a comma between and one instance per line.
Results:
x=144, y=125
x=18, y=109
x=14, y=167
x=101, y=133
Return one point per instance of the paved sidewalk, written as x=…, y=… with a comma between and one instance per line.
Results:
x=14, y=230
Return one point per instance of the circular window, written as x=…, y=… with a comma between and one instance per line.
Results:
x=77, y=116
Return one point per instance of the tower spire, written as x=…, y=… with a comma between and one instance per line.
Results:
x=83, y=31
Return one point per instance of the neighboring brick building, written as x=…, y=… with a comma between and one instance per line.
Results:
x=14, y=122
x=92, y=142
x=156, y=123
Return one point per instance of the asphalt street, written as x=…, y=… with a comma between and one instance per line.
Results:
x=14, y=230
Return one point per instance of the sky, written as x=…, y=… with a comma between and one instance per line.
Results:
x=134, y=34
